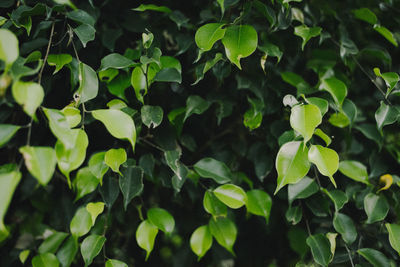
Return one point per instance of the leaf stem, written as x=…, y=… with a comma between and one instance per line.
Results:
x=349, y=253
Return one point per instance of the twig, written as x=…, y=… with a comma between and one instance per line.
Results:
x=151, y=144
x=47, y=53
x=349, y=253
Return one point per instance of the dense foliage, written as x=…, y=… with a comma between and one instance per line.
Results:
x=199, y=133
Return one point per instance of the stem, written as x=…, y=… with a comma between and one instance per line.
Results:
x=47, y=53
x=349, y=253
x=104, y=233
x=151, y=144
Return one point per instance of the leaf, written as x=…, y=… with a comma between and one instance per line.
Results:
x=294, y=214
x=291, y=164
x=146, y=234
x=8, y=183
x=366, y=15
x=339, y=120
x=297, y=240
x=81, y=16
x=214, y=169
x=208, y=34
x=162, y=219
x=44, y=260
x=152, y=7
x=326, y=160
x=66, y=254
x=88, y=83
x=375, y=257
x=114, y=158
x=109, y=191
x=40, y=161
x=386, y=33
x=332, y=240
x=131, y=183
x=85, y=33
x=201, y=241
x=95, y=209
x=354, y=170
x=296, y=81
x=259, y=203
x=195, y=105
x=306, y=33
x=386, y=180
x=305, y=188
x=59, y=61
x=394, y=236
x=115, y=61
x=151, y=115
x=170, y=62
x=390, y=78
x=339, y=198
x=91, y=247
x=7, y=131
x=376, y=207
x=386, y=115
x=304, y=119
x=118, y=124
x=85, y=183
x=52, y=243
x=271, y=50
x=239, y=42
x=231, y=195
x=203, y=68
x=168, y=75
x=323, y=136
x=344, y=225
x=81, y=222
x=320, y=249
x=23, y=255
x=9, y=49
x=139, y=83
x=73, y=115
x=97, y=166
x=59, y=126
x=29, y=95
x=222, y=6
x=336, y=88
x=224, y=231
x=371, y=132
x=115, y=263
x=213, y=205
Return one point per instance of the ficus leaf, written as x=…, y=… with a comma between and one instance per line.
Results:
x=208, y=34
x=304, y=119
x=224, y=231
x=306, y=33
x=162, y=219
x=326, y=160
x=146, y=234
x=201, y=241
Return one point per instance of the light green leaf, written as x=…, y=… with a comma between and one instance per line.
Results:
x=208, y=34
x=97, y=166
x=339, y=120
x=354, y=170
x=73, y=115
x=52, y=243
x=214, y=169
x=152, y=7
x=115, y=263
x=23, y=255
x=224, y=231
x=162, y=219
x=91, y=247
x=386, y=115
x=201, y=241
x=131, y=183
x=259, y=203
x=168, y=75
x=115, y=61
x=118, y=124
x=376, y=207
x=40, y=162
x=386, y=33
x=85, y=183
x=29, y=95
x=323, y=136
x=59, y=126
x=170, y=62
x=66, y=254
x=291, y=164
x=139, y=83
x=45, y=260
x=95, y=209
x=303, y=189
x=320, y=249
x=304, y=119
x=9, y=49
x=344, y=225
x=366, y=15
x=240, y=41
x=81, y=222
x=332, y=240
x=394, y=236
x=7, y=131
x=321, y=103
x=151, y=115
x=222, y=6
x=114, y=158
x=147, y=39
x=390, y=78
x=375, y=257
x=326, y=160
x=213, y=205
x=231, y=195
x=85, y=33
x=88, y=83
x=195, y=105
x=203, y=68
x=336, y=88
x=306, y=33
x=146, y=234
x=339, y=198
x=59, y=61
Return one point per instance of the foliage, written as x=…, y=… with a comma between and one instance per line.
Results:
x=138, y=132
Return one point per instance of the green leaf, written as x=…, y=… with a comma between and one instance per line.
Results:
x=306, y=33
x=139, y=83
x=326, y=160
x=371, y=132
x=81, y=222
x=354, y=170
x=386, y=33
x=146, y=234
x=390, y=78
x=52, y=243
x=214, y=169
x=91, y=247
x=296, y=81
x=208, y=34
x=23, y=255
x=339, y=198
x=170, y=62
x=66, y=254
x=114, y=158
x=201, y=241
x=291, y=164
x=115, y=263
x=305, y=188
x=59, y=126
x=95, y=209
x=131, y=183
x=222, y=6
x=344, y=225
x=304, y=119
x=9, y=50
x=85, y=33
x=195, y=105
x=118, y=124
x=375, y=257
x=203, y=68
x=88, y=83
x=40, y=162
x=152, y=7
x=323, y=136
x=109, y=191
x=213, y=205
x=294, y=214
x=350, y=110
x=115, y=61
x=336, y=88
x=297, y=240
x=59, y=61
x=231, y=195
x=168, y=75
x=376, y=207
x=8, y=184
x=97, y=166
x=386, y=115
x=339, y=120
x=271, y=50
x=147, y=39
x=85, y=183
x=259, y=203
x=224, y=231
x=366, y=15
x=394, y=236
x=162, y=219
x=81, y=16
x=7, y=131
x=151, y=115
x=239, y=42
x=45, y=260
x=73, y=115
x=29, y=95
x=320, y=249
x=253, y=117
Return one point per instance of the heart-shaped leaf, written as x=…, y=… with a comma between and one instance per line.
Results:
x=304, y=119
x=326, y=160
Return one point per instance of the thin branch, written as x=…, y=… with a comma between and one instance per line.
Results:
x=349, y=253
x=151, y=144
x=47, y=53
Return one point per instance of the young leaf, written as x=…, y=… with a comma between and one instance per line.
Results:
x=354, y=170
x=366, y=15
x=131, y=183
x=224, y=231
x=239, y=41
x=73, y=115
x=386, y=33
x=91, y=247
x=214, y=169
x=259, y=203
x=291, y=164
x=151, y=115
x=88, y=83
x=139, y=83
x=162, y=219
x=394, y=236
x=44, y=260
x=9, y=49
x=115, y=263
x=304, y=119
x=146, y=234
x=7, y=131
x=344, y=225
x=336, y=88
x=231, y=195
x=208, y=34
x=321, y=103
x=201, y=241
x=23, y=255
x=306, y=33
x=390, y=78
x=59, y=61
x=81, y=222
x=326, y=160
x=320, y=249
x=213, y=205
x=114, y=158
x=29, y=95
x=376, y=207
x=95, y=209
x=375, y=257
